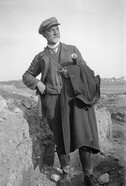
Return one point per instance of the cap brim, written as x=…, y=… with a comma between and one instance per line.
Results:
x=51, y=25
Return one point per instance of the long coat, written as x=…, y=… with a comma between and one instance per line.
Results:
x=79, y=93
x=84, y=121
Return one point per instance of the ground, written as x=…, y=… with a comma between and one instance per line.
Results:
x=113, y=163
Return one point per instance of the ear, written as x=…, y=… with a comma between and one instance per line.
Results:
x=44, y=34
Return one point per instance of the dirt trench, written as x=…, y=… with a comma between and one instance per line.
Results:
x=42, y=160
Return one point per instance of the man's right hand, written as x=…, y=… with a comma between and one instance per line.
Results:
x=41, y=87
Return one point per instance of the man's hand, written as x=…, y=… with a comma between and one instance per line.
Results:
x=64, y=72
x=41, y=87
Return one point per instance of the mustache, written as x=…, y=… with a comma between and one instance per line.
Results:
x=56, y=35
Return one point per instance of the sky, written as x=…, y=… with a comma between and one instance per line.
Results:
x=96, y=27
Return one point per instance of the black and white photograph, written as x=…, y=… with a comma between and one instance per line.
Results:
x=62, y=93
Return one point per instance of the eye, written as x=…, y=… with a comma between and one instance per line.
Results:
x=49, y=30
x=53, y=29
x=57, y=28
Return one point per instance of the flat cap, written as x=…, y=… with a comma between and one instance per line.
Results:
x=47, y=24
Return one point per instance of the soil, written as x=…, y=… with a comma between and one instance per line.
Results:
x=113, y=163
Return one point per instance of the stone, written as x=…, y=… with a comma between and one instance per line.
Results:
x=55, y=177
x=103, y=179
x=15, y=147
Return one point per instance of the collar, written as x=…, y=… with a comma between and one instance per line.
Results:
x=53, y=46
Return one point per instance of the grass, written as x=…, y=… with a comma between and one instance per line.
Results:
x=113, y=88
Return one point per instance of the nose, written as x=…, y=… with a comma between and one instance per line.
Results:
x=55, y=31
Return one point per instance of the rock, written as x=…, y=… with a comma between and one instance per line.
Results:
x=55, y=177
x=2, y=103
x=15, y=147
x=26, y=104
x=9, y=184
x=103, y=178
x=16, y=110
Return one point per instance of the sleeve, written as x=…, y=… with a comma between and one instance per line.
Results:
x=29, y=77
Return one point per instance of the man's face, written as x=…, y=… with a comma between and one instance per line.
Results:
x=52, y=35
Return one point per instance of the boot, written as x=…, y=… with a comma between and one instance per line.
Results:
x=86, y=162
x=85, y=158
x=88, y=180
x=64, y=181
x=64, y=160
x=66, y=168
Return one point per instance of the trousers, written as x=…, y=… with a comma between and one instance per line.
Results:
x=53, y=115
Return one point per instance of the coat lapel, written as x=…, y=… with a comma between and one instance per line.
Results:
x=65, y=55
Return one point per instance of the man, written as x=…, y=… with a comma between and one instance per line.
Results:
x=67, y=92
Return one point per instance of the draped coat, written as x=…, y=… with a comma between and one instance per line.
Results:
x=78, y=96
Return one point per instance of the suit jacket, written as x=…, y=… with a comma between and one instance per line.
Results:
x=41, y=64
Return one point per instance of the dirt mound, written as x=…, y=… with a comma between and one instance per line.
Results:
x=15, y=146
x=26, y=142
x=23, y=140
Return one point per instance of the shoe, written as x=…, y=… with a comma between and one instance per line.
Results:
x=89, y=181
x=65, y=180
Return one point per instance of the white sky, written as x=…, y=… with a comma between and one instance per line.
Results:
x=96, y=27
